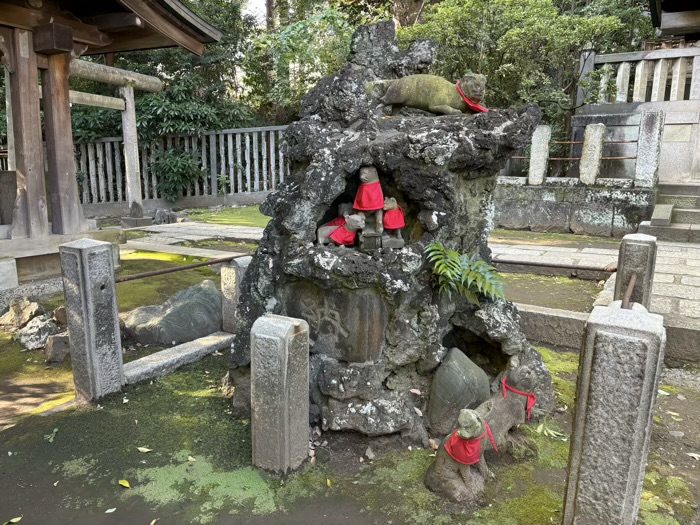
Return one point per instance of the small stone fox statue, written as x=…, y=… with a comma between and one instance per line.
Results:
x=346, y=234
x=324, y=232
x=369, y=202
x=437, y=95
x=459, y=470
x=394, y=222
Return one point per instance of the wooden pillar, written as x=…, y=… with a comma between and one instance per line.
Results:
x=30, y=217
x=131, y=147
x=66, y=209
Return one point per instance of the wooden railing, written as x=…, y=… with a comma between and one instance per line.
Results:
x=661, y=75
x=242, y=160
x=3, y=160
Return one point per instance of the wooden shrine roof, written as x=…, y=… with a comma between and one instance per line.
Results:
x=106, y=26
x=676, y=17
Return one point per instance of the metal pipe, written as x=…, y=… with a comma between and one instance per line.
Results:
x=155, y=273
x=554, y=265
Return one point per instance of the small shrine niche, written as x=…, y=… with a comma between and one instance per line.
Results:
x=372, y=220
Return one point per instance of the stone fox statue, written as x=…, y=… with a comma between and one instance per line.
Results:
x=437, y=95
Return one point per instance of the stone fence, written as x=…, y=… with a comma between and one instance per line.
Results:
x=591, y=202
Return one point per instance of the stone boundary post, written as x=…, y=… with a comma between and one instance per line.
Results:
x=539, y=155
x=591, y=154
x=93, y=322
x=651, y=128
x=615, y=396
x=231, y=277
x=637, y=257
x=131, y=147
x=279, y=392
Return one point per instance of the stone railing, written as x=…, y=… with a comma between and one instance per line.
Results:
x=593, y=160
x=661, y=75
x=233, y=161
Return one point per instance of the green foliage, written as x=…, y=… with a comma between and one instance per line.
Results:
x=282, y=66
x=176, y=170
x=467, y=275
x=528, y=49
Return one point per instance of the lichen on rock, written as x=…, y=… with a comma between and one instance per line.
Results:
x=379, y=307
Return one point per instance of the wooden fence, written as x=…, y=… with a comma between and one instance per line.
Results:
x=242, y=160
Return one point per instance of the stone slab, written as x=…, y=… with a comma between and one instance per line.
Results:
x=8, y=274
x=166, y=361
x=136, y=222
x=561, y=328
x=179, y=250
x=662, y=215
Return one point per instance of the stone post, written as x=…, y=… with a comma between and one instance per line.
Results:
x=279, y=392
x=231, y=277
x=93, y=321
x=637, y=257
x=592, y=153
x=131, y=147
x=615, y=397
x=586, y=67
x=646, y=174
x=539, y=155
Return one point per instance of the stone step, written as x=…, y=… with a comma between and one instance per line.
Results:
x=690, y=188
x=681, y=201
x=662, y=215
x=165, y=361
x=685, y=216
x=673, y=232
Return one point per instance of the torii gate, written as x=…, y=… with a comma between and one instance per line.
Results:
x=44, y=36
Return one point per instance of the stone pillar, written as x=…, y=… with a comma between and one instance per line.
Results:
x=586, y=67
x=615, y=397
x=637, y=257
x=539, y=155
x=279, y=392
x=93, y=321
x=592, y=153
x=131, y=147
x=646, y=174
x=8, y=273
x=231, y=277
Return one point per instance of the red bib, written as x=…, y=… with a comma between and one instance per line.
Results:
x=473, y=106
x=338, y=221
x=369, y=197
x=343, y=237
x=393, y=219
x=531, y=399
x=468, y=451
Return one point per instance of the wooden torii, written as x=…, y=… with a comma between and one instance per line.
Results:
x=49, y=36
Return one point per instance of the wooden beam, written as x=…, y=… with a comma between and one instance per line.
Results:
x=30, y=216
x=114, y=76
x=23, y=18
x=90, y=99
x=657, y=54
x=162, y=25
x=66, y=210
x=680, y=23
x=114, y=22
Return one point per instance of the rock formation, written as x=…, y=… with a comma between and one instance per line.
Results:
x=379, y=328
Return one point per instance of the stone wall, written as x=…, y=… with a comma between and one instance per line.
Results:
x=571, y=208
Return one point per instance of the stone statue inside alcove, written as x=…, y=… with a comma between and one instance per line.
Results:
x=323, y=233
x=369, y=201
x=437, y=95
x=394, y=221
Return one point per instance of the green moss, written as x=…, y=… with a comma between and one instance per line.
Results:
x=553, y=292
x=517, y=498
x=136, y=234
x=552, y=239
x=309, y=482
x=563, y=366
x=551, y=452
x=403, y=492
x=224, y=246
x=665, y=498
x=248, y=216
x=30, y=367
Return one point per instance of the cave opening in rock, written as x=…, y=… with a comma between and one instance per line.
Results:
x=485, y=353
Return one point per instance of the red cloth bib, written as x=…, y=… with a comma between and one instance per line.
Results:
x=473, y=106
x=338, y=221
x=393, y=219
x=343, y=237
x=369, y=197
x=531, y=399
x=468, y=451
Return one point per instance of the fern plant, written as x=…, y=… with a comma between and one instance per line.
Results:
x=467, y=275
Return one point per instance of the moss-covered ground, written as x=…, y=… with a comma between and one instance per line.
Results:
x=551, y=291
x=66, y=467
x=246, y=216
x=224, y=246
x=552, y=239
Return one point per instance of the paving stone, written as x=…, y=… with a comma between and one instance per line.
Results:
x=689, y=308
x=678, y=290
x=678, y=269
x=600, y=251
x=662, y=215
x=662, y=305
x=663, y=278
x=690, y=281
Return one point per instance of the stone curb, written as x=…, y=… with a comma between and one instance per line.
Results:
x=562, y=328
